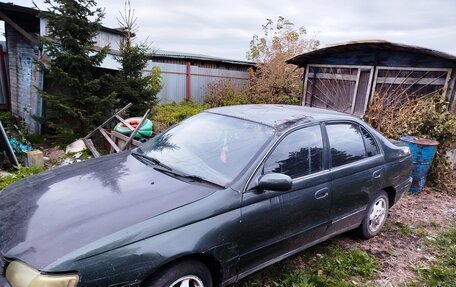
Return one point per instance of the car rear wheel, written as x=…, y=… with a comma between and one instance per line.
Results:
x=375, y=217
x=189, y=273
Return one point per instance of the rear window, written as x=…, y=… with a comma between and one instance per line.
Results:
x=369, y=142
x=346, y=143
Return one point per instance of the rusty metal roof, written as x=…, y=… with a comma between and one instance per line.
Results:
x=190, y=56
x=368, y=51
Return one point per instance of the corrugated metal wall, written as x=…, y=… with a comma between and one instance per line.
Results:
x=175, y=74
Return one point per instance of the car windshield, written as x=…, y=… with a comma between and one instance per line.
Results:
x=211, y=146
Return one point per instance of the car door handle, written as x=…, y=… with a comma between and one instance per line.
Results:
x=377, y=173
x=322, y=193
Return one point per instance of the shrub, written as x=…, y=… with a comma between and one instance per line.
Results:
x=226, y=93
x=429, y=118
x=166, y=115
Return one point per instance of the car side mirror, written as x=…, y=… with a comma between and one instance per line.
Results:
x=275, y=182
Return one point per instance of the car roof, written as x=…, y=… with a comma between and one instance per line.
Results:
x=279, y=116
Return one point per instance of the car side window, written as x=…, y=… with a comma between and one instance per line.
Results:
x=369, y=143
x=299, y=153
x=346, y=143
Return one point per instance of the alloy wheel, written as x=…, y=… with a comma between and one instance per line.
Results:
x=378, y=215
x=188, y=281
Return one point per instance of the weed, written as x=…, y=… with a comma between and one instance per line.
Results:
x=442, y=271
x=319, y=266
x=404, y=229
x=435, y=224
x=20, y=173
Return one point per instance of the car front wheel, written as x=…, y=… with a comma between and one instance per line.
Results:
x=375, y=217
x=189, y=273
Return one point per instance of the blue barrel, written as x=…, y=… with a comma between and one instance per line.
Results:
x=423, y=151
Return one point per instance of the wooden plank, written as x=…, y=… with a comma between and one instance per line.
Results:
x=414, y=69
x=410, y=81
x=118, y=135
x=91, y=147
x=125, y=123
x=108, y=120
x=447, y=82
x=340, y=77
x=374, y=85
x=19, y=29
x=355, y=94
x=110, y=141
x=130, y=139
x=304, y=89
x=451, y=93
x=340, y=66
x=369, y=87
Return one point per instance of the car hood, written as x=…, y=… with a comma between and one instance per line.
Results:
x=46, y=216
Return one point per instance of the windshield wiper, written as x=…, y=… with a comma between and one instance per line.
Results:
x=159, y=166
x=186, y=176
x=149, y=160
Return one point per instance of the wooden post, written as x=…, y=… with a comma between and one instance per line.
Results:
x=303, y=101
x=5, y=79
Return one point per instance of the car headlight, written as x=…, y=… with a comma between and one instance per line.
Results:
x=21, y=275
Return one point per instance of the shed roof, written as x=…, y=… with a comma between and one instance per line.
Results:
x=11, y=7
x=190, y=56
x=376, y=52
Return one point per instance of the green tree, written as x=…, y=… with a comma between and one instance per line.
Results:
x=130, y=85
x=73, y=98
x=275, y=81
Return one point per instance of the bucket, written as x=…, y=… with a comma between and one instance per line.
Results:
x=423, y=151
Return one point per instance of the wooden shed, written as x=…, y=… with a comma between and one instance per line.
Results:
x=345, y=77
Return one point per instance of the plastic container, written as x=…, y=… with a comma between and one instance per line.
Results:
x=423, y=151
x=144, y=131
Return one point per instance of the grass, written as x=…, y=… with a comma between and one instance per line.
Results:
x=398, y=228
x=18, y=174
x=324, y=265
x=442, y=271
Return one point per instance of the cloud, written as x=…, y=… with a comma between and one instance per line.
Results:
x=224, y=28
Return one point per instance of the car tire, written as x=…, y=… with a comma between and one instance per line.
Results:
x=188, y=273
x=375, y=216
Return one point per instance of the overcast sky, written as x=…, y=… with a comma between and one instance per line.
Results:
x=225, y=28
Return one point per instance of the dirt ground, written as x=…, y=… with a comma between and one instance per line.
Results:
x=404, y=244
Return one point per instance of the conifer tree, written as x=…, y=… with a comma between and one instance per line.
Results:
x=73, y=99
x=130, y=85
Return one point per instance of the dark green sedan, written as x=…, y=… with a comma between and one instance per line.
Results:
x=207, y=202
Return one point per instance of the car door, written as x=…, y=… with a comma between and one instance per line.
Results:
x=356, y=173
x=276, y=223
